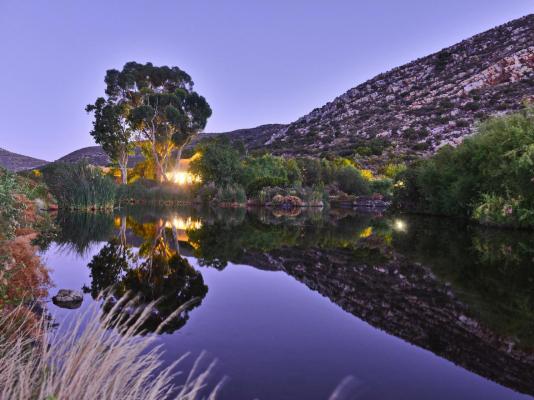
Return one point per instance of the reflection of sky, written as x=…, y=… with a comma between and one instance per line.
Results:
x=277, y=339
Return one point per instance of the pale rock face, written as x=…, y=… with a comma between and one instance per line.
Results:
x=487, y=75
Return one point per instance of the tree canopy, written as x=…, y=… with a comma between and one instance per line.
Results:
x=157, y=104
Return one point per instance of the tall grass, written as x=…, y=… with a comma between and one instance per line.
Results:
x=80, y=186
x=97, y=357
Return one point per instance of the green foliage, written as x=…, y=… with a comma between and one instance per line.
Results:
x=158, y=104
x=231, y=193
x=382, y=186
x=112, y=131
x=391, y=170
x=220, y=162
x=266, y=170
x=9, y=211
x=498, y=161
x=351, y=181
x=501, y=211
x=79, y=186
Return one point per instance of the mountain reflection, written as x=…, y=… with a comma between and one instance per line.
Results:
x=462, y=292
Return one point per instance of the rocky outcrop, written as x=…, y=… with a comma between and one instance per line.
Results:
x=407, y=301
x=420, y=106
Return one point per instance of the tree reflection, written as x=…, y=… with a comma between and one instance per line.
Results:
x=157, y=272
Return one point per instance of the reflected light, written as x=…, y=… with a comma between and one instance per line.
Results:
x=184, y=224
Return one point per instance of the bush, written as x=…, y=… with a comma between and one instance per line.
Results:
x=496, y=210
x=392, y=170
x=9, y=211
x=79, y=186
x=497, y=160
x=351, y=181
x=231, y=194
x=264, y=171
x=219, y=162
x=383, y=186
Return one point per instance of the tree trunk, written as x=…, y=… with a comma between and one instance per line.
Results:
x=160, y=173
x=123, y=165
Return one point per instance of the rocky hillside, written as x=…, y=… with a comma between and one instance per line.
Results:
x=18, y=162
x=425, y=104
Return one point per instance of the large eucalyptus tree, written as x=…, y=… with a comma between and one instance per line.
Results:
x=160, y=108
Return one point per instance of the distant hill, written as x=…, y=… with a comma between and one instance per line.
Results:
x=96, y=156
x=424, y=104
x=18, y=162
x=251, y=138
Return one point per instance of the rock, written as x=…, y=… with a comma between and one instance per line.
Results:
x=67, y=298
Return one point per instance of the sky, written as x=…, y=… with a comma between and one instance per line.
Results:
x=255, y=61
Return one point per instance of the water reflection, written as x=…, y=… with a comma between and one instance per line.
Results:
x=152, y=271
x=462, y=292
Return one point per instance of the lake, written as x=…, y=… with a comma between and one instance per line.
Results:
x=296, y=303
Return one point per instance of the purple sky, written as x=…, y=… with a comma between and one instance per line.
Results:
x=255, y=61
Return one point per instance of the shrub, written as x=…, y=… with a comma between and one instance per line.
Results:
x=219, y=162
x=383, y=186
x=498, y=160
x=496, y=210
x=391, y=170
x=351, y=181
x=9, y=211
x=263, y=171
x=231, y=194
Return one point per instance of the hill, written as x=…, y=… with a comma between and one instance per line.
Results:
x=18, y=162
x=420, y=106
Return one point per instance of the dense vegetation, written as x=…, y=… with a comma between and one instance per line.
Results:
x=229, y=174
x=79, y=186
x=489, y=177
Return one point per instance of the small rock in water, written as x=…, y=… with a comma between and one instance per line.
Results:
x=67, y=298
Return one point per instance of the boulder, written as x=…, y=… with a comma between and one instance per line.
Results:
x=67, y=298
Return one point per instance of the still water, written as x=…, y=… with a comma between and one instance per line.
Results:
x=293, y=305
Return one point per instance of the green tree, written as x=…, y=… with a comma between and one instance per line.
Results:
x=219, y=162
x=112, y=131
x=263, y=171
x=162, y=109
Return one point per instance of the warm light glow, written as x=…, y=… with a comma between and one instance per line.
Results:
x=183, y=178
x=399, y=225
x=184, y=224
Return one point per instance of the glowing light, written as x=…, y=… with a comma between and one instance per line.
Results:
x=183, y=178
x=366, y=232
x=184, y=224
x=399, y=225
x=399, y=184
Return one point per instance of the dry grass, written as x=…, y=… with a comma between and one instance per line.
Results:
x=98, y=356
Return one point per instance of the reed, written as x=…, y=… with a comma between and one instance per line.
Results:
x=96, y=357
x=80, y=186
